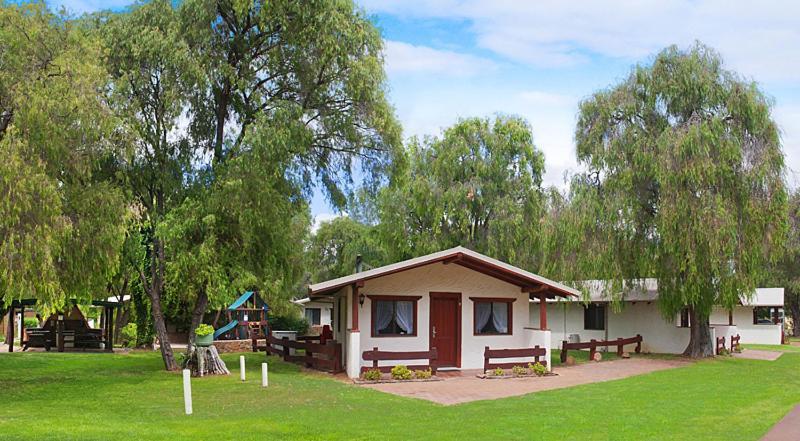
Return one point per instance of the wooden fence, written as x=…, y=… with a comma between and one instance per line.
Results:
x=326, y=357
x=376, y=355
x=593, y=344
x=720, y=345
x=536, y=352
x=735, y=342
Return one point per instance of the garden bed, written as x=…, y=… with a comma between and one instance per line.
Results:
x=502, y=377
x=392, y=380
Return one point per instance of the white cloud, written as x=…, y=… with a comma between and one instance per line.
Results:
x=322, y=218
x=404, y=58
x=760, y=40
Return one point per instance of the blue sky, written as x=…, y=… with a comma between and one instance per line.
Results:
x=448, y=59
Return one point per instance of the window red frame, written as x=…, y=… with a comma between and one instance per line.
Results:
x=373, y=299
x=507, y=300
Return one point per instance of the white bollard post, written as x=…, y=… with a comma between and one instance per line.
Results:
x=241, y=367
x=187, y=391
x=264, y=380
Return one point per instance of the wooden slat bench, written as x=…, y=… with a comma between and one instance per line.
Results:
x=535, y=352
x=376, y=355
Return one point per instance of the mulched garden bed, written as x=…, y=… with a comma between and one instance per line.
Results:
x=392, y=380
x=502, y=377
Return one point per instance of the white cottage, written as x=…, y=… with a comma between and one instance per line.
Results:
x=456, y=300
x=756, y=320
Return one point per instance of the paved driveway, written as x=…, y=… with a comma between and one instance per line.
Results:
x=464, y=386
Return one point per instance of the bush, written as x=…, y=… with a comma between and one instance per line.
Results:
x=128, y=334
x=423, y=375
x=537, y=368
x=30, y=322
x=519, y=370
x=401, y=372
x=204, y=330
x=288, y=323
x=371, y=375
x=498, y=372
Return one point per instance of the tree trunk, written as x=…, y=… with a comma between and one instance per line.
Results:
x=700, y=344
x=794, y=308
x=156, y=286
x=197, y=317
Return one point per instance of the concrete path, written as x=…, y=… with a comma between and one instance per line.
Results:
x=787, y=429
x=467, y=387
x=758, y=354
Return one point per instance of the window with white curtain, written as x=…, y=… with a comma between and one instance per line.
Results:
x=492, y=316
x=394, y=316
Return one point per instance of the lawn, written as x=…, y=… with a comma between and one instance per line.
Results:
x=103, y=396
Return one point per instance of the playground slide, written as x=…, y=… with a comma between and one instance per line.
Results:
x=232, y=324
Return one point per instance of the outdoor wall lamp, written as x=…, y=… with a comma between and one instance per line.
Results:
x=361, y=298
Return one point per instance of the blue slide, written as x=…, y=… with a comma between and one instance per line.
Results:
x=232, y=324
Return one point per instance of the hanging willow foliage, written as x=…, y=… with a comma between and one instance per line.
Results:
x=684, y=182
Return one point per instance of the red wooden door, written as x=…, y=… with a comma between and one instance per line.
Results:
x=445, y=328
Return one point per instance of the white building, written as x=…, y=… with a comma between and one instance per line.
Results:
x=757, y=320
x=456, y=300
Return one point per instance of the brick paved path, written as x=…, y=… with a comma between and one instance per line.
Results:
x=787, y=429
x=467, y=387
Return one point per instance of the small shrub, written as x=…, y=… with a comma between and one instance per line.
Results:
x=371, y=375
x=204, y=330
x=498, y=372
x=538, y=368
x=400, y=372
x=423, y=375
x=128, y=333
x=288, y=323
x=724, y=352
x=519, y=370
x=30, y=322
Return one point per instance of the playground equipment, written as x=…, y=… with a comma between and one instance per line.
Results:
x=247, y=319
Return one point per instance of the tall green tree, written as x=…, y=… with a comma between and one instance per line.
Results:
x=479, y=186
x=786, y=272
x=685, y=178
x=292, y=96
x=333, y=248
x=151, y=69
x=61, y=223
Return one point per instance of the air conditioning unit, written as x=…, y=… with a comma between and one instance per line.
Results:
x=574, y=338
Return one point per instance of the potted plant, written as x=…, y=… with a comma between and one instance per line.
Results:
x=204, y=335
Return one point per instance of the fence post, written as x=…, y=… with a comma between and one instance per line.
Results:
x=241, y=367
x=619, y=347
x=187, y=391
x=285, y=348
x=264, y=380
x=434, y=356
x=592, y=349
x=485, y=359
x=563, y=351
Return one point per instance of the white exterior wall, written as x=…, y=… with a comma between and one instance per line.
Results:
x=325, y=313
x=659, y=335
x=446, y=278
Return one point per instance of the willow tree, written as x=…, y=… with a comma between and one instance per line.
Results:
x=292, y=95
x=786, y=272
x=685, y=173
x=150, y=64
x=478, y=185
x=334, y=247
x=61, y=224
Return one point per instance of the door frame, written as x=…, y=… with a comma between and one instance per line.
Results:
x=446, y=295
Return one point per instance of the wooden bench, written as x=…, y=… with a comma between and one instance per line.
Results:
x=376, y=355
x=535, y=352
x=735, y=342
x=720, y=345
x=593, y=344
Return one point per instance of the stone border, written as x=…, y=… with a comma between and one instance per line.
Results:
x=504, y=377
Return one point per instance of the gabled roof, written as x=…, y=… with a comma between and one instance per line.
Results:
x=527, y=281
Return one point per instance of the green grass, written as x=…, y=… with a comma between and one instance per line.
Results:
x=102, y=396
x=781, y=348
